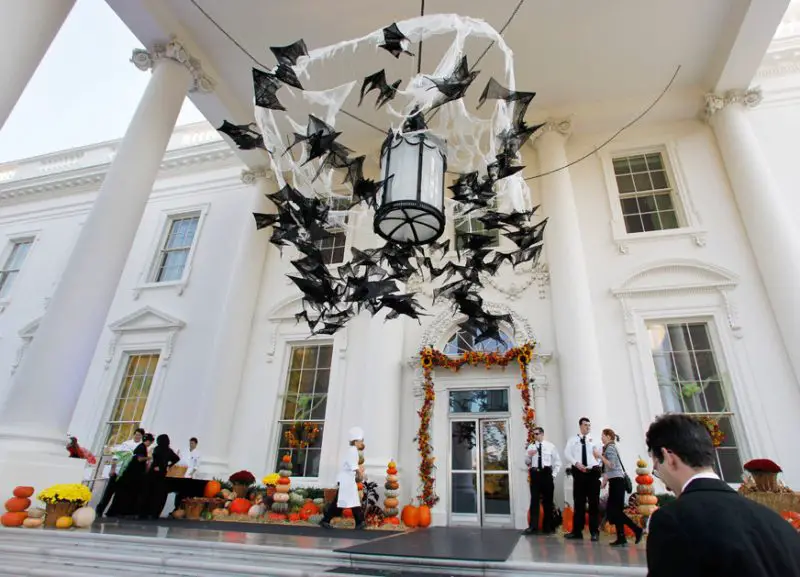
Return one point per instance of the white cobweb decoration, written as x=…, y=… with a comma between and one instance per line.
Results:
x=471, y=139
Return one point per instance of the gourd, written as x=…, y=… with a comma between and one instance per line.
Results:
x=84, y=517
x=220, y=512
x=424, y=513
x=256, y=511
x=645, y=490
x=280, y=500
x=296, y=500
x=280, y=507
x=390, y=500
x=212, y=489
x=647, y=509
x=13, y=519
x=410, y=516
x=17, y=504
x=179, y=514
x=31, y=523
x=36, y=513
x=283, y=489
x=64, y=523
x=390, y=515
x=240, y=506
x=23, y=492
x=647, y=500
x=644, y=479
x=391, y=478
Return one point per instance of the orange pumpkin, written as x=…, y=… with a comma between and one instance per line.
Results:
x=647, y=500
x=541, y=516
x=391, y=521
x=410, y=516
x=391, y=471
x=212, y=489
x=391, y=502
x=17, y=504
x=309, y=509
x=240, y=506
x=287, y=458
x=567, y=518
x=13, y=519
x=392, y=485
x=276, y=516
x=424, y=516
x=293, y=517
x=347, y=513
x=644, y=479
x=23, y=492
x=284, y=481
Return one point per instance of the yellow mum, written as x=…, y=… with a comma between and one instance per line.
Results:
x=271, y=479
x=74, y=493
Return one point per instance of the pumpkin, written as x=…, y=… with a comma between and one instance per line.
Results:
x=641, y=463
x=220, y=512
x=568, y=518
x=284, y=473
x=23, y=492
x=286, y=458
x=646, y=510
x=296, y=500
x=294, y=517
x=84, y=517
x=276, y=517
x=391, y=478
x=256, y=511
x=645, y=489
x=391, y=502
x=410, y=516
x=390, y=493
x=642, y=471
x=282, y=489
x=391, y=512
x=391, y=521
x=347, y=513
x=212, y=489
x=281, y=497
x=392, y=465
x=392, y=486
x=284, y=481
x=31, y=523
x=179, y=514
x=647, y=500
x=36, y=513
x=644, y=479
x=280, y=507
x=391, y=471
x=64, y=523
x=240, y=506
x=309, y=509
x=17, y=504
x=14, y=519
x=424, y=516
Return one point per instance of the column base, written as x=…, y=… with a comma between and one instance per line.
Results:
x=37, y=470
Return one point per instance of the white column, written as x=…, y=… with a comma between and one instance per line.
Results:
x=773, y=234
x=221, y=388
x=45, y=391
x=582, y=391
x=27, y=29
x=540, y=405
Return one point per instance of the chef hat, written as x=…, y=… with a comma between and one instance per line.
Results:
x=355, y=434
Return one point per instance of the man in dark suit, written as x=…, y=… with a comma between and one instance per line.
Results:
x=710, y=529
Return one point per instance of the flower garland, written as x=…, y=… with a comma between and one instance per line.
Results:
x=712, y=424
x=310, y=432
x=431, y=358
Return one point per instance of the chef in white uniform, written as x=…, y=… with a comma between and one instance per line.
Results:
x=349, y=476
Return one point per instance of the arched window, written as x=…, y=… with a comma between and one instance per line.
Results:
x=462, y=342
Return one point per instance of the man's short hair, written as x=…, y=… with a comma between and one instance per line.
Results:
x=583, y=420
x=683, y=435
x=193, y=439
x=538, y=430
x=140, y=430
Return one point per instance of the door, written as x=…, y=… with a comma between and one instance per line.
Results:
x=480, y=487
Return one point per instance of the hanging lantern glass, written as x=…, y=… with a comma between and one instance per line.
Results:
x=412, y=168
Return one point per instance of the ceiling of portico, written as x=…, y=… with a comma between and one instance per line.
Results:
x=578, y=55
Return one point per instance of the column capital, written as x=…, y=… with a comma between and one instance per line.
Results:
x=251, y=176
x=749, y=98
x=175, y=51
x=559, y=126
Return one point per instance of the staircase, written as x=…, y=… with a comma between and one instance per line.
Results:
x=42, y=553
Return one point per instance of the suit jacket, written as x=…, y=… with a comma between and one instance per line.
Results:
x=711, y=530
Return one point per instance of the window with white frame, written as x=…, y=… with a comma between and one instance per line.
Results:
x=463, y=342
x=470, y=224
x=646, y=194
x=132, y=394
x=176, y=247
x=305, y=401
x=690, y=381
x=13, y=264
x=333, y=247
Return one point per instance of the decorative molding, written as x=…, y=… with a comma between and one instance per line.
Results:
x=731, y=314
x=26, y=333
x=174, y=50
x=539, y=274
x=250, y=176
x=562, y=126
x=749, y=98
x=146, y=319
x=445, y=322
x=272, y=343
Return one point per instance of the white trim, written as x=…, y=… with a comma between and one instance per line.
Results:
x=12, y=238
x=165, y=222
x=691, y=225
x=26, y=334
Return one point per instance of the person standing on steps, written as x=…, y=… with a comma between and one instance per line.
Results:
x=114, y=472
x=543, y=466
x=614, y=477
x=584, y=457
x=349, y=476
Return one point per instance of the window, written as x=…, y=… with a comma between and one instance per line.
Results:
x=333, y=247
x=19, y=251
x=479, y=401
x=304, y=405
x=131, y=399
x=463, y=342
x=689, y=382
x=174, y=253
x=471, y=225
x=645, y=193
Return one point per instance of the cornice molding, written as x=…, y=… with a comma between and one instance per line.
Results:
x=251, y=176
x=173, y=50
x=749, y=98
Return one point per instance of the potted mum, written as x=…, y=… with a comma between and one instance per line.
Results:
x=269, y=482
x=764, y=473
x=241, y=482
x=63, y=501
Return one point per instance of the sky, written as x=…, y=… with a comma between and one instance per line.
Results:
x=85, y=90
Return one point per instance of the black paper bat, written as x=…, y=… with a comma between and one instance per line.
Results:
x=378, y=81
x=394, y=41
x=455, y=85
x=287, y=75
x=265, y=85
x=244, y=136
x=521, y=100
x=265, y=220
x=289, y=54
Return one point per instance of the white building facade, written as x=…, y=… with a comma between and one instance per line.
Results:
x=670, y=281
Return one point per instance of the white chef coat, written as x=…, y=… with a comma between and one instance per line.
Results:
x=550, y=457
x=127, y=446
x=190, y=459
x=572, y=452
x=348, y=489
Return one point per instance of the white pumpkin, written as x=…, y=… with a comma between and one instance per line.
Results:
x=83, y=517
x=31, y=523
x=256, y=511
x=36, y=513
x=642, y=471
x=281, y=497
x=227, y=494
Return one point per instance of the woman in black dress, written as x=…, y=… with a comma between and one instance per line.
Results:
x=130, y=484
x=155, y=494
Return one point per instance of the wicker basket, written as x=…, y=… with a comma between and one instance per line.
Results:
x=778, y=502
x=194, y=508
x=177, y=471
x=241, y=490
x=54, y=511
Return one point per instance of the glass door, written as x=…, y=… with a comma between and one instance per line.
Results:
x=480, y=488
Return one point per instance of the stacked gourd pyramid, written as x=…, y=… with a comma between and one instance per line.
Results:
x=646, y=500
x=392, y=487
x=280, y=500
x=361, y=484
x=16, y=513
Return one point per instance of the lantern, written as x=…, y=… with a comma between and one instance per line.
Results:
x=412, y=169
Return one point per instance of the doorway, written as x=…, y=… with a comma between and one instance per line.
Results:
x=480, y=483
